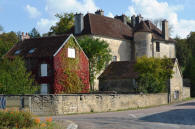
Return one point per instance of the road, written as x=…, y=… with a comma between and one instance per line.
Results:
x=175, y=116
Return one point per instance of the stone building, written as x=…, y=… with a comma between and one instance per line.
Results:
x=121, y=78
x=127, y=40
x=48, y=57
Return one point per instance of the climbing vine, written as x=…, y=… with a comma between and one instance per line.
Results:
x=71, y=78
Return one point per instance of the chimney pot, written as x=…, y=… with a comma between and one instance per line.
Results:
x=100, y=12
x=123, y=18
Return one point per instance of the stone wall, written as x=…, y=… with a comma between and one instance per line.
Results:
x=186, y=92
x=81, y=103
x=66, y=104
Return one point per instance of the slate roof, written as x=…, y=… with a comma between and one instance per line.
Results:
x=119, y=70
x=105, y=26
x=43, y=47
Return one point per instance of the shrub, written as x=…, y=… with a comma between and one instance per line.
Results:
x=16, y=119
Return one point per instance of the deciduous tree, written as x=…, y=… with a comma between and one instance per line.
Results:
x=14, y=78
x=98, y=53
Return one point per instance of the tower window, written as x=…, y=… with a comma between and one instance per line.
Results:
x=157, y=46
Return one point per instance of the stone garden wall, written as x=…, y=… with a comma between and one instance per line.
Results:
x=80, y=103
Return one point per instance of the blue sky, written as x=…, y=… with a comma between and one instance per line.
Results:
x=23, y=15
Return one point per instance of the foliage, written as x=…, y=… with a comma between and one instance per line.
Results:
x=16, y=119
x=66, y=22
x=98, y=53
x=185, y=51
x=182, y=52
x=153, y=74
x=34, y=33
x=7, y=40
x=70, y=79
x=14, y=78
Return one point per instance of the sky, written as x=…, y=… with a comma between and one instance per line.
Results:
x=23, y=15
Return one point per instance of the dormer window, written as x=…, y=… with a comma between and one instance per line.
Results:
x=17, y=52
x=71, y=52
x=31, y=50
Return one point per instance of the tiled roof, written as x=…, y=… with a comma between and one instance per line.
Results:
x=119, y=70
x=106, y=26
x=43, y=47
x=148, y=26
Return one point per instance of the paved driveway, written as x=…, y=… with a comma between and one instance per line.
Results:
x=176, y=116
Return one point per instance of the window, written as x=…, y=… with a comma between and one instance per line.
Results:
x=114, y=58
x=17, y=52
x=43, y=70
x=71, y=52
x=31, y=51
x=157, y=46
x=44, y=88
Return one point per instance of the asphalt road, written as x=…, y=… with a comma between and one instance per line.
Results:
x=176, y=116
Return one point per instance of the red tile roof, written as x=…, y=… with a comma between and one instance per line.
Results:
x=44, y=47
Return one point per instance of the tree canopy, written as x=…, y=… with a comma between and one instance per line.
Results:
x=7, y=40
x=64, y=25
x=34, y=33
x=153, y=74
x=14, y=78
x=98, y=53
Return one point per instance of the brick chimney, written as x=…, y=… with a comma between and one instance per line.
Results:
x=78, y=23
x=24, y=36
x=100, y=12
x=165, y=30
x=123, y=18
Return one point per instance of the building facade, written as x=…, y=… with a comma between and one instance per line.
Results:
x=48, y=59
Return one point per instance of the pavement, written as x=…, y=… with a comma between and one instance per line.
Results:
x=175, y=116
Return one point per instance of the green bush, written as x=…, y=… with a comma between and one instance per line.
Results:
x=16, y=119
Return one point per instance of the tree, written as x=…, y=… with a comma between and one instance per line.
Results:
x=183, y=52
x=153, y=74
x=98, y=53
x=34, y=33
x=66, y=22
x=7, y=40
x=14, y=78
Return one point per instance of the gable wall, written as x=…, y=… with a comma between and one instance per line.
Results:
x=81, y=67
x=176, y=83
x=119, y=47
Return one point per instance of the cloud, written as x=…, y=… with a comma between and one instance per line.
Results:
x=44, y=24
x=153, y=9
x=33, y=12
x=110, y=15
x=60, y=6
